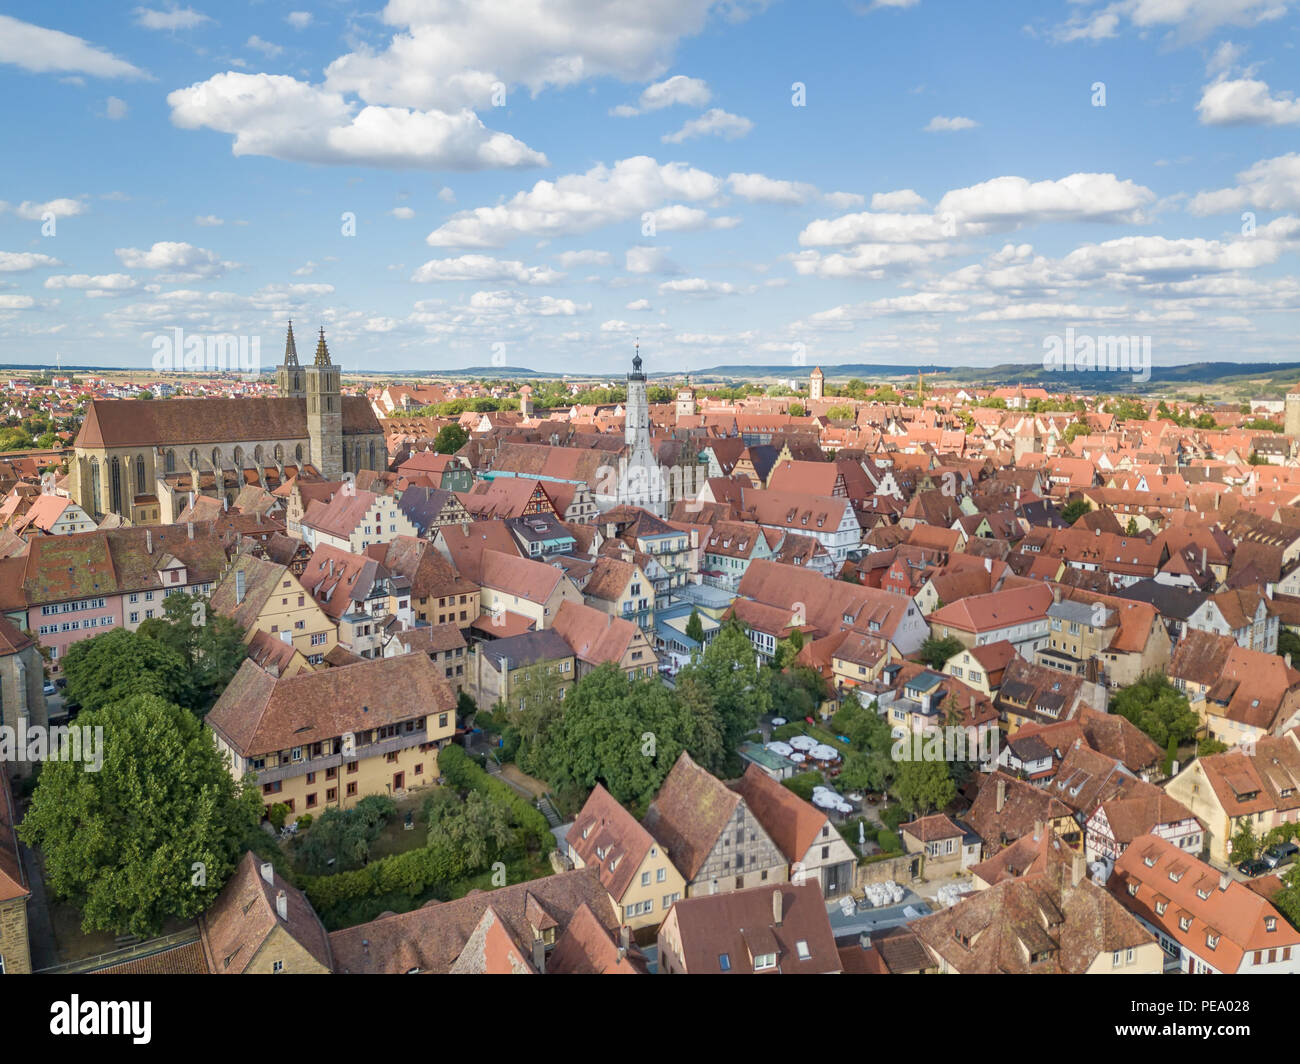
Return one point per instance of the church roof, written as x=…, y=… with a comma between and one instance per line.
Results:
x=182, y=422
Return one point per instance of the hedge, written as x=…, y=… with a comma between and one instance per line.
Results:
x=409, y=873
x=803, y=784
x=460, y=771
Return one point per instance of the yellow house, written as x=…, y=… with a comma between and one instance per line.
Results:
x=262, y=596
x=334, y=736
x=529, y=589
x=632, y=866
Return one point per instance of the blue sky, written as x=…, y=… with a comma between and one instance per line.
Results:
x=537, y=183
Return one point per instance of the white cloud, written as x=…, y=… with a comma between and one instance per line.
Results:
x=1270, y=184
x=579, y=203
x=638, y=304
x=192, y=263
x=402, y=212
x=760, y=189
x=208, y=220
x=18, y=261
x=941, y=124
x=485, y=268
x=265, y=47
x=589, y=257
x=1246, y=101
x=1079, y=197
x=644, y=259
x=175, y=18
x=104, y=282
x=1186, y=20
x=60, y=208
x=715, y=122
x=115, y=109
x=299, y=20
x=904, y=199
x=446, y=195
x=11, y=302
x=679, y=89
x=281, y=117
x=306, y=269
x=450, y=54
x=43, y=51
x=698, y=286
x=844, y=200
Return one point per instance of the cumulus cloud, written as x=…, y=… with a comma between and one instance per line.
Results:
x=34, y=211
x=42, y=51
x=175, y=18
x=188, y=262
x=485, y=268
x=679, y=89
x=20, y=261
x=644, y=259
x=715, y=122
x=115, y=109
x=1185, y=20
x=1246, y=101
x=299, y=20
x=403, y=213
x=265, y=47
x=941, y=124
x=99, y=284
x=281, y=117
x=580, y=203
x=758, y=188
x=1270, y=184
x=588, y=257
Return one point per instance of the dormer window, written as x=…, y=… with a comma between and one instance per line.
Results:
x=1270, y=923
x=1184, y=923
x=1211, y=940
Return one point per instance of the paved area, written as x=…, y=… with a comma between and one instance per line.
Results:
x=878, y=919
x=40, y=928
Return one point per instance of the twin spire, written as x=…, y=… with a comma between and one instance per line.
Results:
x=291, y=349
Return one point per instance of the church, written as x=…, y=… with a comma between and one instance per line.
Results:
x=141, y=458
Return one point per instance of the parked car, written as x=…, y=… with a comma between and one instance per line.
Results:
x=1281, y=854
x=49, y=688
x=1251, y=869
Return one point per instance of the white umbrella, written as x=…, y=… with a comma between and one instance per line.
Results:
x=797, y=758
x=783, y=749
x=803, y=742
x=824, y=752
x=825, y=801
x=777, y=721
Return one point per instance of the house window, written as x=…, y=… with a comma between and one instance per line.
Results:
x=724, y=962
x=352, y=789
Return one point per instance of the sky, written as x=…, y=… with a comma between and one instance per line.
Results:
x=452, y=183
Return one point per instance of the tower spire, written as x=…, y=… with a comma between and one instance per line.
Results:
x=322, y=352
x=290, y=348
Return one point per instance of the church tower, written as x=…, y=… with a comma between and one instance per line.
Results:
x=816, y=383
x=686, y=400
x=1291, y=426
x=325, y=413
x=289, y=376
x=642, y=481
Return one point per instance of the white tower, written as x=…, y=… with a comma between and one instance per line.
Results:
x=641, y=482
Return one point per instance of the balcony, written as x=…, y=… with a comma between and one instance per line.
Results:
x=362, y=752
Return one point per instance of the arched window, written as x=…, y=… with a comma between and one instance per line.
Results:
x=257, y=455
x=194, y=459
x=297, y=453
x=372, y=457
x=216, y=457
x=356, y=458
x=279, y=454
x=96, y=486
x=239, y=458
x=140, y=488
x=115, y=485
x=170, y=461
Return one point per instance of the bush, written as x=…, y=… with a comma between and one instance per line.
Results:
x=888, y=841
x=304, y=821
x=803, y=784
x=277, y=814
x=462, y=773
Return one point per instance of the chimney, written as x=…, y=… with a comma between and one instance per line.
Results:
x=1038, y=830
x=539, y=956
x=1078, y=868
x=239, y=586
x=148, y=540
x=1205, y=560
x=1002, y=794
x=282, y=905
x=988, y=565
x=268, y=872
x=1097, y=532
x=1224, y=880
x=1017, y=493
x=624, y=941
x=776, y=907
x=864, y=939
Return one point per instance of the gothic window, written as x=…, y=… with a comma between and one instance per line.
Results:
x=258, y=457
x=140, y=488
x=372, y=456
x=170, y=461
x=115, y=485
x=279, y=454
x=95, y=485
x=239, y=458
x=194, y=459
x=216, y=457
x=356, y=458
x=298, y=453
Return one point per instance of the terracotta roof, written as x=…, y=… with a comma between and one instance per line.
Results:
x=793, y=823
x=608, y=838
x=690, y=812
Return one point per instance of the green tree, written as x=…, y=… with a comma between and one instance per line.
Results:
x=478, y=828
x=1287, y=900
x=450, y=439
x=210, y=644
x=936, y=652
x=921, y=786
x=695, y=627
x=1158, y=708
x=118, y=664
x=1289, y=643
x=729, y=670
x=154, y=833
x=1072, y=511
x=1131, y=529
x=798, y=410
x=1244, y=844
